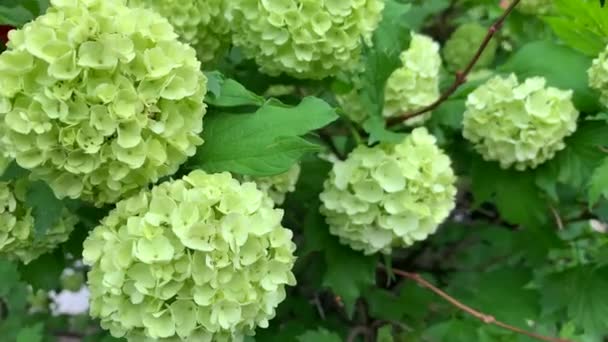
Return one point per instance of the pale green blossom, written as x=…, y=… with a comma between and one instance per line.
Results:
x=204, y=258
x=463, y=44
x=18, y=238
x=202, y=23
x=304, y=38
x=389, y=195
x=278, y=186
x=520, y=125
x=98, y=99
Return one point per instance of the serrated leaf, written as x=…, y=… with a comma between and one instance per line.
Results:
x=31, y=334
x=580, y=24
x=583, y=293
x=263, y=143
x=525, y=63
x=349, y=274
x=501, y=293
x=46, y=208
x=514, y=193
x=320, y=335
x=575, y=164
x=229, y=93
x=598, y=185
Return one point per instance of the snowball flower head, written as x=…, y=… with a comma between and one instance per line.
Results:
x=389, y=195
x=598, y=75
x=463, y=44
x=521, y=125
x=98, y=99
x=304, y=38
x=535, y=7
x=204, y=258
x=202, y=23
x=18, y=238
x=278, y=186
x=414, y=85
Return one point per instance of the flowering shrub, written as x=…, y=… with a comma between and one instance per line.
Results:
x=441, y=167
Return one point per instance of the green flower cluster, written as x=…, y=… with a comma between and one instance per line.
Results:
x=203, y=258
x=463, y=44
x=18, y=239
x=412, y=86
x=389, y=195
x=202, y=24
x=535, y=7
x=304, y=38
x=521, y=125
x=279, y=185
x=598, y=76
x=98, y=99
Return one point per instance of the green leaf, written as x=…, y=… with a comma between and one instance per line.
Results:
x=229, y=93
x=12, y=172
x=583, y=293
x=563, y=68
x=598, y=185
x=420, y=12
x=44, y=272
x=575, y=164
x=514, y=193
x=385, y=334
x=349, y=274
x=500, y=293
x=581, y=24
x=320, y=335
x=376, y=127
x=263, y=143
x=453, y=331
x=46, y=208
x=380, y=60
x=15, y=16
x=31, y=334
x=9, y=275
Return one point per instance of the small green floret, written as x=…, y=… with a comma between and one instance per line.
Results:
x=463, y=44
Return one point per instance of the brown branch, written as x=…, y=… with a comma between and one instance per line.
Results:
x=358, y=331
x=461, y=76
x=558, y=218
x=488, y=319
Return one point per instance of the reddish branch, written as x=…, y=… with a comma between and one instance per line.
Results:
x=488, y=319
x=4, y=30
x=461, y=76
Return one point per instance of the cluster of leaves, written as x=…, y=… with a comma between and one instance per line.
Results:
x=527, y=247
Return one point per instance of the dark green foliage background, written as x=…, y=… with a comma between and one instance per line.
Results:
x=527, y=247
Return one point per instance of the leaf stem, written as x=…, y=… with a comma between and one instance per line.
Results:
x=488, y=319
x=461, y=76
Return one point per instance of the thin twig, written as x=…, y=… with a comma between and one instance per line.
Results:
x=461, y=76
x=488, y=319
x=358, y=331
x=558, y=219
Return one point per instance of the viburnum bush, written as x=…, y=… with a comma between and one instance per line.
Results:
x=303, y=170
